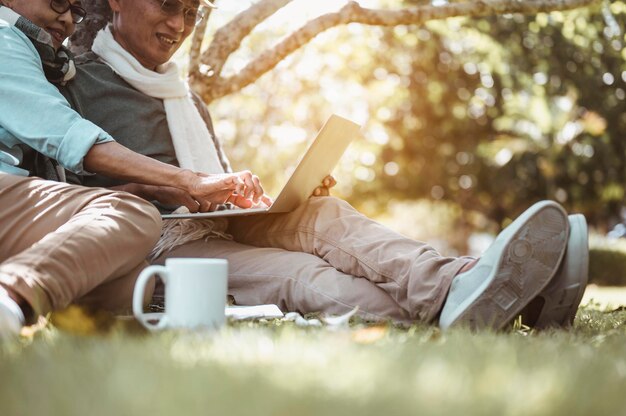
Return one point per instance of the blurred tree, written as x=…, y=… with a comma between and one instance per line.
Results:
x=505, y=111
x=206, y=67
x=490, y=112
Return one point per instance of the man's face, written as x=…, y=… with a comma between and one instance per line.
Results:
x=59, y=26
x=146, y=32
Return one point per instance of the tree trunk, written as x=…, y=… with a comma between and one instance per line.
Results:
x=98, y=15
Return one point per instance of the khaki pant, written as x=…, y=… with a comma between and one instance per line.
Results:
x=325, y=256
x=61, y=243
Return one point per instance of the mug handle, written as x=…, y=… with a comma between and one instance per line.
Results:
x=138, y=294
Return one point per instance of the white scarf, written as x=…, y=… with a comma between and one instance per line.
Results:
x=194, y=147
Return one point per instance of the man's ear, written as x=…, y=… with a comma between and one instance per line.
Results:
x=115, y=5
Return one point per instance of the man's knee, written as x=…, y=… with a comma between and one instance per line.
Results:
x=328, y=205
x=143, y=217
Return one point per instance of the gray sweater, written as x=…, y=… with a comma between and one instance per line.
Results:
x=134, y=119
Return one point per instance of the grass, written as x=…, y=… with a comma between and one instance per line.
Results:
x=276, y=368
x=95, y=365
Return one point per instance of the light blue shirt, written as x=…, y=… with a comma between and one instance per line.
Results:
x=34, y=113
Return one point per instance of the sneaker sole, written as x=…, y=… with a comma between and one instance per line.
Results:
x=563, y=295
x=531, y=249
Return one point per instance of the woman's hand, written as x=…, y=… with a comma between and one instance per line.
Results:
x=264, y=202
x=173, y=197
x=167, y=196
x=324, y=188
x=211, y=190
x=242, y=189
x=206, y=192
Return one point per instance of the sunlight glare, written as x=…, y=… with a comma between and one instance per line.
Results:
x=287, y=135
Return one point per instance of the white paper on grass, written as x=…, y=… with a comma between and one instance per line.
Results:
x=258, y=311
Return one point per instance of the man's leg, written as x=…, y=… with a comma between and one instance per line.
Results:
x=60, y=241
x=415, y=275
x=294, y=281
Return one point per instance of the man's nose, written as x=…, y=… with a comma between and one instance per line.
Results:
x=177, y=22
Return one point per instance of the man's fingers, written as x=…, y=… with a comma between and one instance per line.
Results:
x=232, y=183
x=183, y=198
x=252, y=186
x=329, y=181
x=258, y=189
x=191, y=204
x=205, y=206
x=240, y=186
x=321, y=191
x=267, y=200
x=246, y=176
x=240, y=201
x=254, y=189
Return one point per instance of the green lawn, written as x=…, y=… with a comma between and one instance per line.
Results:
x=276, y=368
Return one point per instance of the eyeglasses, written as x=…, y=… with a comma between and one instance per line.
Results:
x=62, y=6
x=191, y=15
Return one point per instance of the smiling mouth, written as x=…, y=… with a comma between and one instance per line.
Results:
x=57, y=35
x=167, y=40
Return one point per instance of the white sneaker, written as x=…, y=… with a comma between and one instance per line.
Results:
x=11, y=317
x=556, y=305
x=515, y=268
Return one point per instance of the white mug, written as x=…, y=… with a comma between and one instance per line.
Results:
x=195, y=293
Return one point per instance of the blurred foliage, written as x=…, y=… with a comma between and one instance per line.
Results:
x=505, y=111
x=489, y=114
x=607, y=261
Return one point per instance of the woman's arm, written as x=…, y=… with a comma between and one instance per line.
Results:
x=166, y=195
x=34, y=113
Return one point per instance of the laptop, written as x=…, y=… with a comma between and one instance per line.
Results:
x=317, y=163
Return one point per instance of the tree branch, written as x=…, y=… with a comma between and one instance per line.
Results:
x=229, y=37
x=196, y=42
x=214, y=86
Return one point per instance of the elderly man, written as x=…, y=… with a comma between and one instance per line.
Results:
x=324, y=256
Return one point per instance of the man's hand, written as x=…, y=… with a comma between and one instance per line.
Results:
x=324, y=188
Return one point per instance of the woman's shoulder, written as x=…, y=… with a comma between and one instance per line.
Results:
x=7, y=29
x=14, y=41
x=9, y=34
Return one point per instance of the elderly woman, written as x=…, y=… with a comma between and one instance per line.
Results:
x=62, y=243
